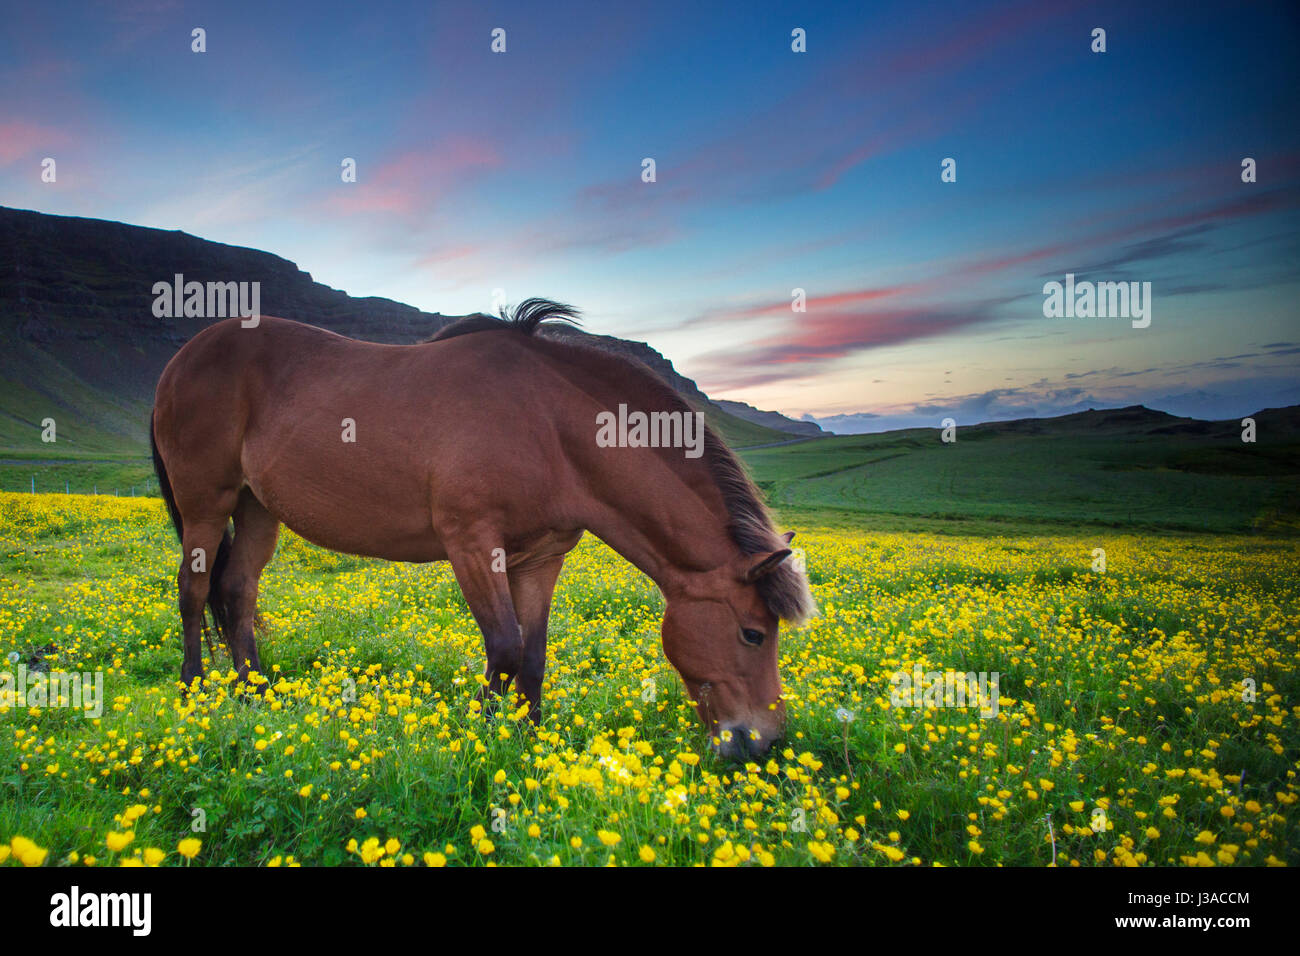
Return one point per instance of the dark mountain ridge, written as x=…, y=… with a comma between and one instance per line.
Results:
x=79, y=340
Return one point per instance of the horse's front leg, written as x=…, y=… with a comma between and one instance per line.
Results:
x=531, y=585
x=479, y=565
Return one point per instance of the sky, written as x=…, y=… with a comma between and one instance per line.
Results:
x=484, y=176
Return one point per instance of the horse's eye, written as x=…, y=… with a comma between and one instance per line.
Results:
x=752, y=637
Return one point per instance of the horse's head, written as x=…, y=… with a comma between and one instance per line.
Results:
x=721, y=636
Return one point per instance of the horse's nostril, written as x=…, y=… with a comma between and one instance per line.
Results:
x=755, y=745
x=737, y=741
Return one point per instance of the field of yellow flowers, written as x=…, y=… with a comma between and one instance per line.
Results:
x=1161, y=693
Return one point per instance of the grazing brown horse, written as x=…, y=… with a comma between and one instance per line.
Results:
x=480, y=447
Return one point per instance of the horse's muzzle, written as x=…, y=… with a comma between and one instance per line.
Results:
x=738, y=742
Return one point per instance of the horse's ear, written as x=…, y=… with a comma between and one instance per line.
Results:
x=788, y=537
x=766, y=564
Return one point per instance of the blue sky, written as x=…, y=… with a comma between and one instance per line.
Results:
x=775, y=170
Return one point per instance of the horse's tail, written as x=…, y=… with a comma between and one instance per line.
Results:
x=220, y=617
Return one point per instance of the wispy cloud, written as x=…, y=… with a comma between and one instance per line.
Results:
x=410, y=185
x=21, y=139
x=801, y=349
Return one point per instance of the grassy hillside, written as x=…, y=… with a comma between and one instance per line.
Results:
x=1115, y=469
x=739, y=433
x=1099, y=471
x=104, y=476
x=90, y=420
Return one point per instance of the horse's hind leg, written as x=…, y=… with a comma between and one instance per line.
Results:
x=199, y=548
x=256, y=532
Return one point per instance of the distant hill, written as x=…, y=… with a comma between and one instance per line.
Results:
x=79, y=342
x=1125, y=467
x=771, y=419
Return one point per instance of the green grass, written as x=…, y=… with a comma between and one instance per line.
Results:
x=1051, y=479
x=989, y=481
x=974, y=556
x=84, y=476
x=1098, y=675
x=738, y=433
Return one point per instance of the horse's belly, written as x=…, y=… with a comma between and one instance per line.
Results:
x=390, y=548
x=389, y=544
x=390, y=523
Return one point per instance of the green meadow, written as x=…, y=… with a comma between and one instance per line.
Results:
x=1146, y=711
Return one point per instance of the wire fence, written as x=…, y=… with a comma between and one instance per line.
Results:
x=145, y=489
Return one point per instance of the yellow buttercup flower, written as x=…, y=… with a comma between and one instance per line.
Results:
x=26, y=851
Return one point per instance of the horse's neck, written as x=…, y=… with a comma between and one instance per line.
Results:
x=669, y=532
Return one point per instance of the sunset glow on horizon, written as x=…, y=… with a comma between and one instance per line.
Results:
x=781, y=178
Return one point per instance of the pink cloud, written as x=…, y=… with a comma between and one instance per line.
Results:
x=20, y=140
x=411, y=183
x=842, y=323
x=817, y=339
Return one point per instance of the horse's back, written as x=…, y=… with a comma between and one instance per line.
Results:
x=356, y=445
